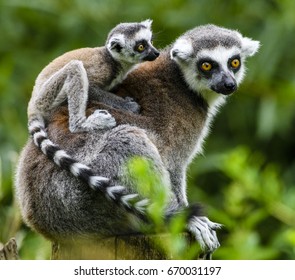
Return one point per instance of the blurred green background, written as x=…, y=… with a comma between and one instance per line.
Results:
x=247, y=173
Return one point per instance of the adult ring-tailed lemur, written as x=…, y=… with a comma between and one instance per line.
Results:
x=179, y=94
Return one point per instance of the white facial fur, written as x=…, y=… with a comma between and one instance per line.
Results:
x=183, y=53
x=127, y=52
x=222, y=55
x=143, y=34
x=188, y=50
x=188, y=64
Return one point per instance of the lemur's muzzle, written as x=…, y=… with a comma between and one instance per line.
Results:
x=151, y=55
x=226, y=85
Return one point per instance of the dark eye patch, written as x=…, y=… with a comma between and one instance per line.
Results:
x=229, y=63
x=213, y=63
x=140, y=43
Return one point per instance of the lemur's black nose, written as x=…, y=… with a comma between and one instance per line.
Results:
x=152, y=55
x=230, y=86
x=156, y=53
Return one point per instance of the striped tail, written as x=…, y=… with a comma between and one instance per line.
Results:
x=131, y=202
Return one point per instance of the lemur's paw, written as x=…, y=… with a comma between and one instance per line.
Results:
x=131, y=105
x=204, y=232
x=100, y=119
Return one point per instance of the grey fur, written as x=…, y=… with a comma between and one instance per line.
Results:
x=173, y=123
x=69, y=76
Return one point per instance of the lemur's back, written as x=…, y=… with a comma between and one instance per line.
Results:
x=98, y=63
x=169, y=109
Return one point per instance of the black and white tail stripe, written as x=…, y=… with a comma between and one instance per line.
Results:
x=131, y=202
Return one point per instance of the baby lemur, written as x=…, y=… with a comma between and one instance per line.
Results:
x=179, y=94
x=69, y=76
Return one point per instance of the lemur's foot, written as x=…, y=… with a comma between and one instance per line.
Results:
x=100, y=119
x=204, y=232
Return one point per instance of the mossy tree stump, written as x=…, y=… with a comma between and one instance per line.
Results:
x=9, y=250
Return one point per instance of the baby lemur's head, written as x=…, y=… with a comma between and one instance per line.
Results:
x=132, y=42
x=212, y=59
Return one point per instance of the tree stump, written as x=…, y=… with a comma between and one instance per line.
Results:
x=9, y=250
x=129, y=247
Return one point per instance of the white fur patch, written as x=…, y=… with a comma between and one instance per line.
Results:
x=38, y=134
x=115, y=189
x=45, y=144
x=95, y=181
x=125, y=199
x=182, y=49
x=143, y=34
x=141, y=205
x=76, y=167
x=147, y=23
x=119, y=38
x=249, y=46
x=59, y=155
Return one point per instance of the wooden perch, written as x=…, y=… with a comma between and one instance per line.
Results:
x=131, y=247
x=9, y=250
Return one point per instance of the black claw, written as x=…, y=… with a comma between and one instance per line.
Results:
x=206, y=256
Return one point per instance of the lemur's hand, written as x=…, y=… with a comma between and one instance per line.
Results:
x=205, y=233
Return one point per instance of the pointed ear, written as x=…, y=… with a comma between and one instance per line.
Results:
x=181, y=50
x=249, y=46
x=116, y=42
x=147, y=23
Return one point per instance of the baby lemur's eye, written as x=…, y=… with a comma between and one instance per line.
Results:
x=206, y=66
x=235, y=63
x=140, y=48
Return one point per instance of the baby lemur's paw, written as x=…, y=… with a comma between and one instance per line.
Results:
x=204, y=232
x=100, y=119
x=131, y=105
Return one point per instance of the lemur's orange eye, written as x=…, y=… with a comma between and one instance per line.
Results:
x=206, y=66
x=140, y=47
x=235, y=63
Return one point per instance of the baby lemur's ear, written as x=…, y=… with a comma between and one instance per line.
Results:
x=181, y=50
x=116, y=42
x=147, y=23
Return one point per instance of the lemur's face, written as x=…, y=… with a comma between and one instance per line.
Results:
x=212, y=59
x=139, y=47
x=132, y=43
x=219, y=69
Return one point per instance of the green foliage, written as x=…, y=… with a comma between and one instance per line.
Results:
x=248, y=172
x=256, y=209
x=152, y=187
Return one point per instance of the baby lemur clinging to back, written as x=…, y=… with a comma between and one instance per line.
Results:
x=179, y=94
x=69, y=76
